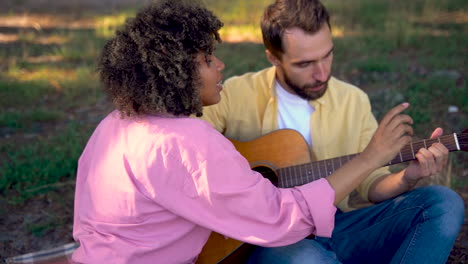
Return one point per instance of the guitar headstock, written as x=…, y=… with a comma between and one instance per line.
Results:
x=463, y=140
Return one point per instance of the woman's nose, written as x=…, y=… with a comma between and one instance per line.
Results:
x=220, y=64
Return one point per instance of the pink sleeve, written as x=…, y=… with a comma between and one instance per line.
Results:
x=319, y=196
x=213, y=186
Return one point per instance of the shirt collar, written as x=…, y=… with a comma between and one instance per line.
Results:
x=323, y=101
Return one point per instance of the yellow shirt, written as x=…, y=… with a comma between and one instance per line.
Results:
x=341, y=124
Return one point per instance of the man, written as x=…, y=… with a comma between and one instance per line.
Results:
x=335, y=118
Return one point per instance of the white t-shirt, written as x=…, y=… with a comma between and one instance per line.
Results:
x=294, y=112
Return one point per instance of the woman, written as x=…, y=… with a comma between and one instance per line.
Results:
x=152, y=182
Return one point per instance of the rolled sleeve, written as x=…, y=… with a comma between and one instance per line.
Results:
x=319, y=197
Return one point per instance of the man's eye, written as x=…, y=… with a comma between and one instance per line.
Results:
x=303, y=64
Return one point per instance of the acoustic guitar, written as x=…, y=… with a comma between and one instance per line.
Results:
x=284, y=157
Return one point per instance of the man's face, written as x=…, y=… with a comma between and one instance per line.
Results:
x=305, y=65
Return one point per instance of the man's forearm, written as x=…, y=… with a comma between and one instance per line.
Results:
x=389, y=186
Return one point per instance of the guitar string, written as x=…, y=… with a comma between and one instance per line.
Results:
x=328, y=170
x=305, y=177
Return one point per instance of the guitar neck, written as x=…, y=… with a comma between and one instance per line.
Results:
x=305, y=173
x=409, y=151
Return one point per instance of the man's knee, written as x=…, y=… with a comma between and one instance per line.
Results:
x=446, y=202
x=444, y=196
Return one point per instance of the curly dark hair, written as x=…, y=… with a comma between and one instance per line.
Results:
x=308, y=15
x=149, y=66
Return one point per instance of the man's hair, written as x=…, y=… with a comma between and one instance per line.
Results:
x=308, y=15
x=149, y=66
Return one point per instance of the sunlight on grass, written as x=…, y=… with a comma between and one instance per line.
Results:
x=457, y=17
x=338, y=31
x=70, y=83
x=27, y=20
x=44, y=59
x=105, y=26
x=239, y=12
x=43, y=74
x=36, y=37
x=7, y=38
x=45, y=21
x=52, y=39
x=241, y=33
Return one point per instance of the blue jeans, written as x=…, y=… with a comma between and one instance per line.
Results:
x=419, y=226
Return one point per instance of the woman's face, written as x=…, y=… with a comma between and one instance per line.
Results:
x=211, y=77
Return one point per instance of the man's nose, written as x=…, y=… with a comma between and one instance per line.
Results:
x=320, y=72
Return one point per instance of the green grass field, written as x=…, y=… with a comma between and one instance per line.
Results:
x=50, y=97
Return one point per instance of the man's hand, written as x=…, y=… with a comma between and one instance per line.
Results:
x=428, y=161
x=393, y=133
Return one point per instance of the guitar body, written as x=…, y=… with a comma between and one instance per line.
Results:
x=218, y=249
x=284, y=157
x=279, y=149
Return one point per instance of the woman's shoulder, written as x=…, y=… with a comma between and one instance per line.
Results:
x=183, y=129
x=184, y=125
x=190, y=133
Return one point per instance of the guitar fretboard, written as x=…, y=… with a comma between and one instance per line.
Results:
x=305, y=173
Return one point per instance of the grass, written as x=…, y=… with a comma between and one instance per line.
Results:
x=37, y=167
x=50, y=97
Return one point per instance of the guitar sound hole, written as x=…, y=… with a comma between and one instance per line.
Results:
x=267, y=173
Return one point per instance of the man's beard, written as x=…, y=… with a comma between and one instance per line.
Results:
x=302, y=91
